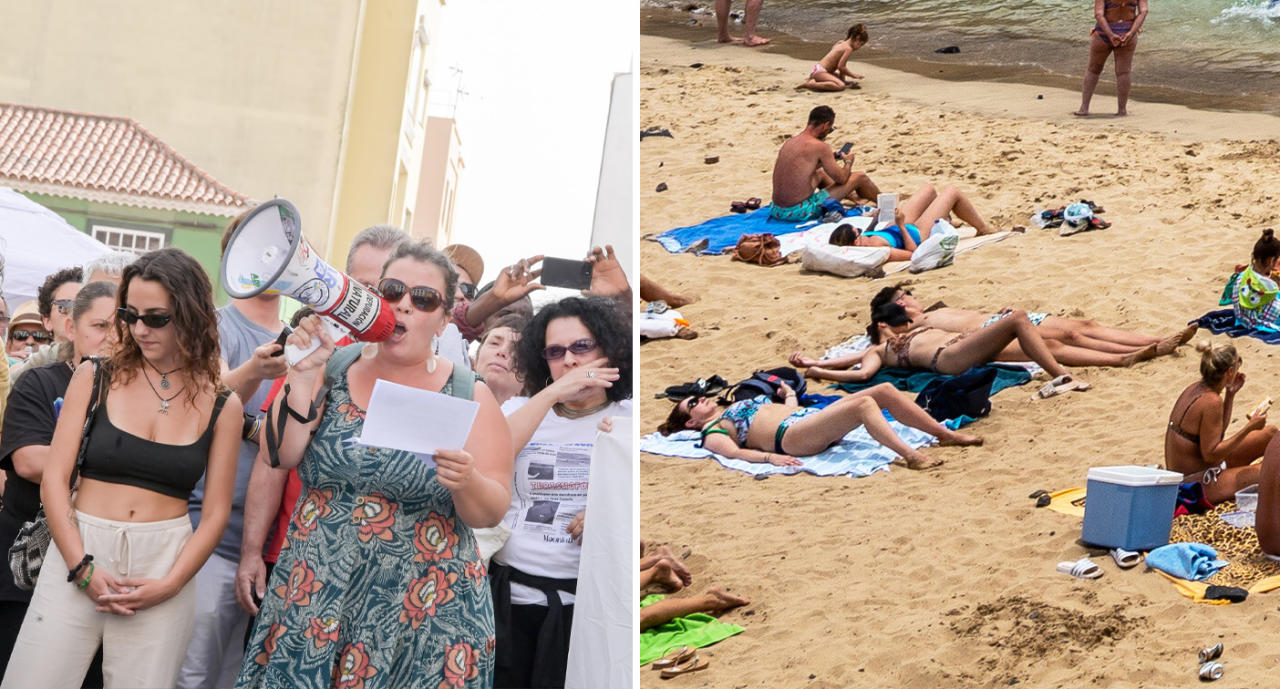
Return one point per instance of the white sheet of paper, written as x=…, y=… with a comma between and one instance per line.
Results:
x=419, y=421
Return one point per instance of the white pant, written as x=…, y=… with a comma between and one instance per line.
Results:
x=62, y=630
x=217, y=645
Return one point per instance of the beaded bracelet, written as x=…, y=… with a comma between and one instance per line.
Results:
x=71, y=575
x=87, y=577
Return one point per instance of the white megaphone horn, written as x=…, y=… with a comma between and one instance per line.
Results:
x=267, y=254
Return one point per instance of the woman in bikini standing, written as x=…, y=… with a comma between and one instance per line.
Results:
x=1195, y=443
x=1116, y=31
x=897, y=344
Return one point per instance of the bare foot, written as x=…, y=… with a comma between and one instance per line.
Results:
x=676, y=564
x=1171, y=343
x=665, y=575
x=1122, y=113
x=1188, y=333
x=675, y=301
x=1081, y=113
x=723, y=600
x=960, y=440
x=754, y=41
x=686, y=333
x=918, y=461
x=1148, y=352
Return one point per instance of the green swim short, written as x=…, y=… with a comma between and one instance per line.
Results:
x=808, y=209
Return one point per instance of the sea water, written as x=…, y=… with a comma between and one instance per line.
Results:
x=1217, y=53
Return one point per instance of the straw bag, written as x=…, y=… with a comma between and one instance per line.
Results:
x=26, y=555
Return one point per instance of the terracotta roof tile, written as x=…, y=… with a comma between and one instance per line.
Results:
x=49, y=148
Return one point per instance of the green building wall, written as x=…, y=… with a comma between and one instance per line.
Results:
x=195, y=233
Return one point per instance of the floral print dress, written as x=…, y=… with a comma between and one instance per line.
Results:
x=380, y=584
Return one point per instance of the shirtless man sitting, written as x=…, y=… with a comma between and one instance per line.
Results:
x=1072, y=342
x=807, y=173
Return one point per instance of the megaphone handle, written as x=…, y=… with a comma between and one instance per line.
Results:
x=294, y=354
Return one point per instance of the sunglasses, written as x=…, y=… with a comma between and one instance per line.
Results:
x=422, y=297
x=63, y=305
x=151, y=320
x=468, y=290
x=557, y=351
x=37, y=335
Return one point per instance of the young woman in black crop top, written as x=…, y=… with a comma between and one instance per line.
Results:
x=123, y=553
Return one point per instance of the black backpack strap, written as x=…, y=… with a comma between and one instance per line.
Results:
x=339, y=361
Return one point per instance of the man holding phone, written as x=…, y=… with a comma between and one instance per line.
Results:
x=807, y=172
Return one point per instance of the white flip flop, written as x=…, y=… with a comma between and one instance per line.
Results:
x=1126, y=559
x=1059, y=385
x=1084, y=568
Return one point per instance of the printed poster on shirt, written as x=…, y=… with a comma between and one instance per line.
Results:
x=554, y=488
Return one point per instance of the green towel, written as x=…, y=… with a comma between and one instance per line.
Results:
x=697, y=630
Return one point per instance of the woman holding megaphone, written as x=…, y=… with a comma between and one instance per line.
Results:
x=381, y=576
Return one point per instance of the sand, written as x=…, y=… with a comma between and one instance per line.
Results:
x=946, y=578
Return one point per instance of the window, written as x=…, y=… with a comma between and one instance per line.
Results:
x=137, y=241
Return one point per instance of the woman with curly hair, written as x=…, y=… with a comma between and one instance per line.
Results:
x=575, y=360
x=162, y=421
x=381, y=584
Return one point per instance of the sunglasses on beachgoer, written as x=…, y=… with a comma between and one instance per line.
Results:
x=468, y=290
x=422, y=297
x=63, y=305
x=37, y=335
x=151, y=320
x=557, y=351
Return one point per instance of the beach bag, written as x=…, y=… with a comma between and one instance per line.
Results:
x=762, y=249
x=26, y=555
x=968, y=394
x=768, y=383
x=938, y=250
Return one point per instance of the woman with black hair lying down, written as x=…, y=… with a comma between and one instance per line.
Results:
x=757, y=430
x=897, y=344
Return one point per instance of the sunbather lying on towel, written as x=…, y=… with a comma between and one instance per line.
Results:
x=756, y=430
x=1072, y=342
x=917, y=214
x=1254, y=295
x=898, y=342
x=1195, y=442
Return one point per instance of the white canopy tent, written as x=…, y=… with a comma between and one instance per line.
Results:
x=35, y=242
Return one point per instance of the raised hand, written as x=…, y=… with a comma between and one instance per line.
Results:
x=607, y=277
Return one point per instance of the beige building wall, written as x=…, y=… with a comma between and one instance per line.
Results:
x=302, y=100
x=442, y=168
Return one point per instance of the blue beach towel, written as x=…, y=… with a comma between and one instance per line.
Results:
x=1224, y=321
x=915, y=380
x=723, y=232
x=1191, y=561
x=857, y=455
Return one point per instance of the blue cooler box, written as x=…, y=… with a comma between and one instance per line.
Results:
x=1130, y=507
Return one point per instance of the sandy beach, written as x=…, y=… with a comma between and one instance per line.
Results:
x=946, y=578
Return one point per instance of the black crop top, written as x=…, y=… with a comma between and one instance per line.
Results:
x=114, y=456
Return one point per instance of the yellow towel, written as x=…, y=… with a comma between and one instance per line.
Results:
x=1065, y=502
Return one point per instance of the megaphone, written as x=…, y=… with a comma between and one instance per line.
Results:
x=267, y=254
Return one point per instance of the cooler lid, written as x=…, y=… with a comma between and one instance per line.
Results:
x=1134, y=476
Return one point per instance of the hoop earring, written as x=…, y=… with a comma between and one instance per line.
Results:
x=435, y=350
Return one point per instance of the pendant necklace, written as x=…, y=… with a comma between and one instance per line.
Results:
x=164, y=402
x=164, y=377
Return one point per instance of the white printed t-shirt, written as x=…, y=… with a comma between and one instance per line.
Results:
x=549, y=489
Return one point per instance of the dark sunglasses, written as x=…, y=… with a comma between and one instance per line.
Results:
x=422, y=297
x=557, y=351
x=151, y=320
x=37, y=335
x=468, y=290
x=64, y=306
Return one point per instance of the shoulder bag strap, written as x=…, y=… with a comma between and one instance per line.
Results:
x=94, y=398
